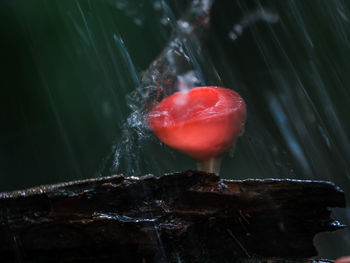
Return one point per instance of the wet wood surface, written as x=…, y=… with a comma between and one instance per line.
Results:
x=181, y=217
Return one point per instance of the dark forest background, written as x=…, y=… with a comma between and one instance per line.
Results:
x=64, y=82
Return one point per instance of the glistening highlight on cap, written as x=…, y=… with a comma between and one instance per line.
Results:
x=203, y=123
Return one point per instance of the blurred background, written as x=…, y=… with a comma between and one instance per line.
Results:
x=69, y=69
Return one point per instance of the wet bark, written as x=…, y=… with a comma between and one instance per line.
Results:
x=182, y=217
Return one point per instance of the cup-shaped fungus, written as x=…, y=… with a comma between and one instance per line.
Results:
x=203, y=123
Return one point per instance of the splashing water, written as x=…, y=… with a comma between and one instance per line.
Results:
x=176, y=69
x=251, y=18
x=180, y=67
x=290, y=133
x=70, y=64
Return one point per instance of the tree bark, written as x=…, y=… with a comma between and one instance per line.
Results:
x=181, y=217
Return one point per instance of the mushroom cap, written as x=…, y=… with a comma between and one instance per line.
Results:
x=203, y=122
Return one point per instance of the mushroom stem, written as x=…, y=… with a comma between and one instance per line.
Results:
x=211, y=165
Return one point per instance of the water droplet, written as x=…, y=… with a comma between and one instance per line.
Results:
x=157, y=5
x=185, y=26
x=232, y=36
x=137, y=21
x=251, y=18
x=165, y=20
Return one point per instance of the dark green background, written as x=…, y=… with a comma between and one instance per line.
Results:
x=65, y=76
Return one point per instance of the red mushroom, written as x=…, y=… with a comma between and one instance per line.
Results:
x=345, y=259
x=203, y=123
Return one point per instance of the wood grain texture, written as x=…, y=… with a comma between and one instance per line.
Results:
x=181, y=217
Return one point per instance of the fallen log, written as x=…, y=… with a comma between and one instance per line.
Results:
x=181, y=217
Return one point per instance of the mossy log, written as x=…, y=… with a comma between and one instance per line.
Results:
x=181, y=217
